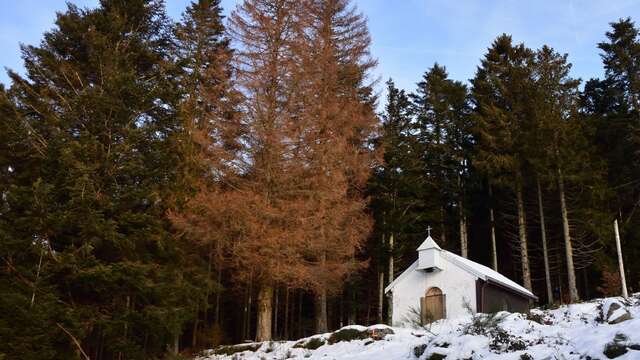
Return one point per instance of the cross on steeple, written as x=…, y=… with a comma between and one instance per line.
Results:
x=428, y=230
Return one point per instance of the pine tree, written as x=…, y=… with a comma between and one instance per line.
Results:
x=550, y=147
x=397, y=190
x=98, y=106
x=442, y=109
x=611, y=109
x=621, y=58
x=500, y=90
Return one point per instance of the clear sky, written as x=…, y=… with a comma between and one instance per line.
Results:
x=408, y=35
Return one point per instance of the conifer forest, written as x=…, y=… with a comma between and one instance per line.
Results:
x=170, y=185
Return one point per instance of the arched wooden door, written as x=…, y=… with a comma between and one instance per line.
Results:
x=433, y=305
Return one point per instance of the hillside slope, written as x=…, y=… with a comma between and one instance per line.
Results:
x=599, y=329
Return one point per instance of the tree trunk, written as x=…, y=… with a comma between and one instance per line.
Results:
x=126, y=324
x=243, y=333
x=35, y=282
x=443, y=229
x=522, y=231
x=380, y=295
x=194, y=334
x=351, y=317
x=321, y=311
x=216, y=312
x=571, y=275
x=300, y=324
x=545, y=252
x=464, y=246
x=205, y=305
x=391, y=277
x=275, y=314
x=248, y=305
x=623, y=278
x=341, y=322
x=381, y=284
x=176, y=344
x=286, y=313
x=264, y=313
x=585, y=279
x=320, y=306
x=494, y=248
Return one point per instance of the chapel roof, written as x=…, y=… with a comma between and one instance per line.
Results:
x=480, y=271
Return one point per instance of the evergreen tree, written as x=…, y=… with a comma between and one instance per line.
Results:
x=98, y=109
x=442, y=108
x=611, y=109
x=397, y=190
x=556, y=149
x=501, y=89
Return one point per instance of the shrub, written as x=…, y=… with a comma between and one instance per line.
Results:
x=419, y=350
x=537, y=317
x=413, y=318
x=483, y=324
x=502, y=341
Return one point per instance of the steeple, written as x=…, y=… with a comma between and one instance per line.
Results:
x=428, y=243
x=429, y=254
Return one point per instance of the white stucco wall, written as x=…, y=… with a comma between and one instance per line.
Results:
x=458, y=285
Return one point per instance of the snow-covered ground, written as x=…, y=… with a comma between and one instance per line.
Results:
x=599, y=329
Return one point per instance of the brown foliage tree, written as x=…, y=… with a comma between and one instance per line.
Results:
x=339, y=119
x=282, y=190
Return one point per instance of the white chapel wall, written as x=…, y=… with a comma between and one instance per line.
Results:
x=458, y=286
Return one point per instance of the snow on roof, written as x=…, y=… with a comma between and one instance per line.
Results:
x=428, y=243
x=486, y=273
x=402, y=276
x=481, y=271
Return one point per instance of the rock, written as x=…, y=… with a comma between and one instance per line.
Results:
x=619, y=316
x=378, y=332
x=611, y=308
x=614, y=312
x=614, y=350
x=624, y=316
x=437, y=356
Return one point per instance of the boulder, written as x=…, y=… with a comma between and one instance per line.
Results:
x=615, y=312
x=378, y=332
x=619, y=316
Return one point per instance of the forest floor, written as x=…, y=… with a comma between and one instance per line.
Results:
x=598, y=329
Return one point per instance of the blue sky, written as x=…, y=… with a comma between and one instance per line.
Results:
x=408, y=35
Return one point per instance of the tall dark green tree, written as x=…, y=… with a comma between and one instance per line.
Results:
x=611, y=107
x=95, y=124
x=500, y=90
x=442, y=110
x=397, y=190
x=561, y=157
